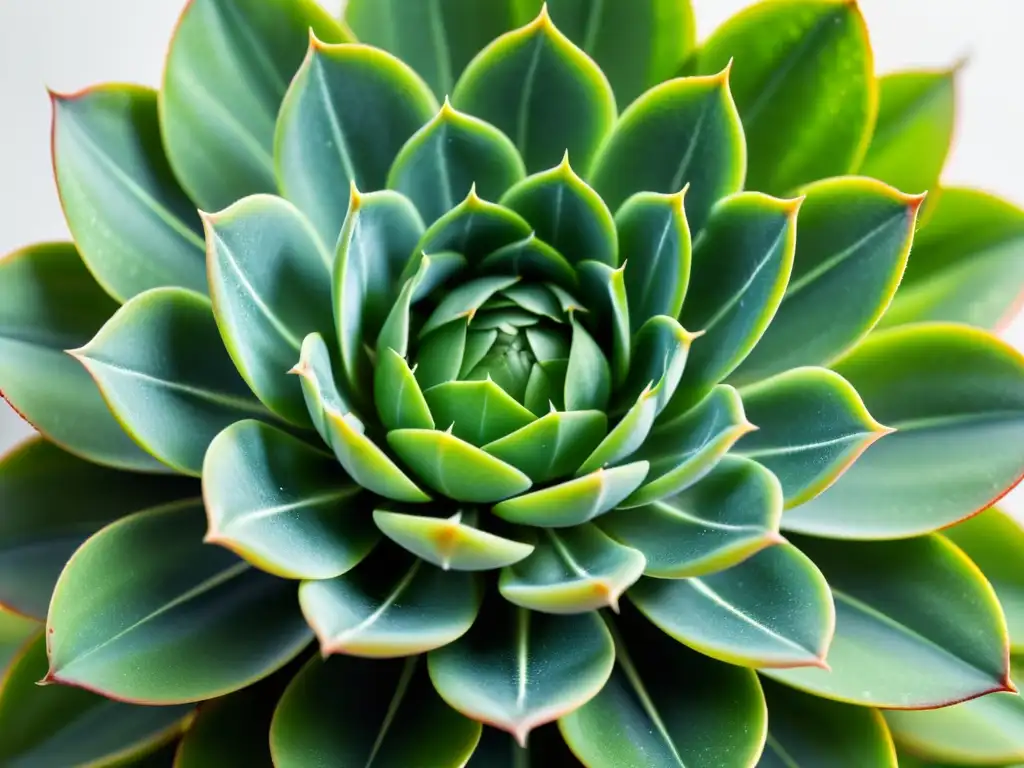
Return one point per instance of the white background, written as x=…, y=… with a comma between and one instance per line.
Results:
x=69, y=44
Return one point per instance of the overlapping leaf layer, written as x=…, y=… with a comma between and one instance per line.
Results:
x=524, y=361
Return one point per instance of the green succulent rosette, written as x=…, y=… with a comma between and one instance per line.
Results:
x=517, y=386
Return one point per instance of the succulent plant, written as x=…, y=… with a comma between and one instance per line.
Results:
x=507, y=342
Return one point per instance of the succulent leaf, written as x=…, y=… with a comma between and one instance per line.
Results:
x=15, y=632
x=531, y=258
x=552, y=446
x=478, y=412
x=588, y=376
x=609, y=304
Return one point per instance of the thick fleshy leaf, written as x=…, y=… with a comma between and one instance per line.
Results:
x=804, y=85
x=666, y=706
x=517, y=670
x=531, y=258
x=546, y=94
x=451, y=543
x=637, y=44
x=193, y=622
x=49, y=303
x=545, y=388
x=322, y=146
x=912, y=138
x=572, y=571
x=227, y=71
x=399, y=399
x=134, y=226
x=270, y=287
x=684, y=131
x=685, y=449
x=655, y=238
x=811, y=427
x=43, y=524
x=967, y=265
x=772, y=610
x=379, y=232
x=163, y=370
x=478, y=412
x=342, y=430
x=458, y=469
x=605, y=289
x=545, y=748
x=806, y=732
x=986, y=731
x=574, y=501
x=917, y=626
x=566, y=214
x=955, y=395
x=741, y=266
x=15, y=632
x=450, y=155
x=440, y=355
x=854, y=239
x=393, y=604
x=730, y=515
x=553, y=446
x=348, y=712
x=465, y=300
x=994, y=540
x=588, y=377
x=431, y=272
x=283, y=506
x=58, y=725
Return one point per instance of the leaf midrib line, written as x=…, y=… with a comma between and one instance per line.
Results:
x=393, y=706
x=526, y=96
x=237, y=21
x=788, y=450
x=566, y=555
x=691, y=145
x=334, y=120
x=357, y=629
x=772, y=743
x=593, y=26
x=319, y=500
x=982, y=418
x=714, y=524
x=647, y=285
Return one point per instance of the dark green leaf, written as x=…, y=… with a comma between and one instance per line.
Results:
x=49, y=303
x=728, y=516
x=546, y=94
x=546, y=386
x=270, y=287
x=684, y=131
x=192, y=622
x=804, y=85
x=478, y=412
x=393, y=604
x=15, y=632
x=553, y=446
x=546, y=748
x=135, y=227
x=349, y=712
x=465, y=300
x=431, y=272
x=399, y=399
x=588, y=377
x=531, y=258
x=605, y=289
x=517, y=670
x=955, y=397
x=227, y=71
x=163, y=370
x=916, y=626
x=440, y=355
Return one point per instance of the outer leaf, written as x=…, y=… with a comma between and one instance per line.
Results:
x=605, y=289
x=685, y=449
x=392, y=605
x=684, y=131
x=479, y=412
x=49, y=303
x=135, y=227
x=346, y=711
x=967, y=264
x=772, y=610
x=804, y=86
x=572, y=571
x=986, y=731
x=58, y=725
x=567, y=214
x=666, y=706
x=15, y=632
x=457, y=469
x=854, y=239
x=575, y=501
x=269, y=282
x=893, y=646
x=163, y=371
x=451, y=543
x=399, y=399
x=728, y=516
x=227, y=71
x=546, y=747
x=956, y=398
x=995, y=542
x=805, y=731
x=638, y=45
x=546, y=94
x=811, y=427
x=916, y=118
x=437, y=38
x=322, y=146
x=282, y=506
x=197, y=620
x=553, y=446
x=518, y=670
x=43, y=524
x=655, y=236
x=448, y=157
x=741, y=266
